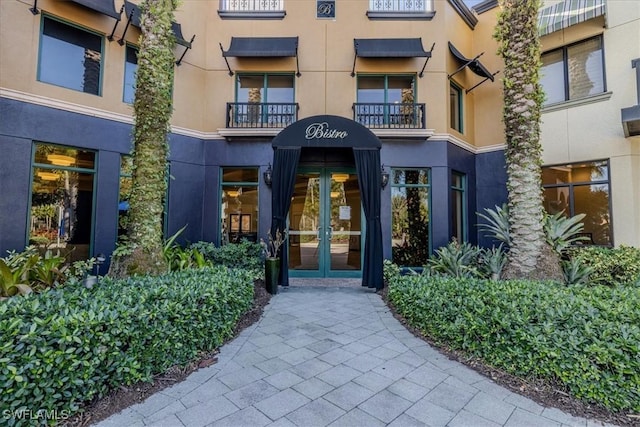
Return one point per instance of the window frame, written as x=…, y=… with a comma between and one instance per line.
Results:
x=565, y=70
x=47, y=166
x=571, y=185
x=222, y=184
x=91, y=31
x=265, y=80
x=460, y=108
x=462, y=191
x=124, y=82
x=429, y=188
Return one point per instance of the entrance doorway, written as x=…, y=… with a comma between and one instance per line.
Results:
x=325, y=224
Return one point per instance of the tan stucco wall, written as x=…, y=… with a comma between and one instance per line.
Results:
x=593, y=131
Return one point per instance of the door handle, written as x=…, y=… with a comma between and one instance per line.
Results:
x=329, y=232
x=319, y=234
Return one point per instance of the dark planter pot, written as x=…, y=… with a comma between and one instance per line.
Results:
x=271, y=273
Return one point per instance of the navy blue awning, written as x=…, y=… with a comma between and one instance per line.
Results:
x=390, y=48
x=133, y=12
x=262, y=47
x=104, y=7
x=473, y=64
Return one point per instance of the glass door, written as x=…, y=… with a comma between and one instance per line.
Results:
x=325, y=225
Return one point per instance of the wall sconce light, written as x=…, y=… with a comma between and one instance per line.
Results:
x=268, y=176
x=385, y=176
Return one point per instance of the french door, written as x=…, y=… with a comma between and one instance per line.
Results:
x=325, y=224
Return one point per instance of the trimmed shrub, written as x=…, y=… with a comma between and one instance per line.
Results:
x=69, y=345
x=610, y=266
x=585, y=338
x=246, y=255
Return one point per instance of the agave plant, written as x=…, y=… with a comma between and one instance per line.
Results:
x=562, y=232
x=497, y=223
x=575, y=272
x=456, y=260
x=493, y=261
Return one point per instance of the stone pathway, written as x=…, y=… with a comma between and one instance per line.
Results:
x=335, y=356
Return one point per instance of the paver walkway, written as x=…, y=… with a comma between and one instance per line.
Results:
x=335, y=356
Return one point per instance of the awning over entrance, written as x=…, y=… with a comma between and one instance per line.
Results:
x=330, y=131
x=104, y=7
x=474, y=65
x=262, y=47
x=390, y=48
x=568, y=13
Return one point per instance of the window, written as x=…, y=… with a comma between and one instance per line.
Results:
x=455, y=107
x=239, y=206
x=386, y=99
x=458, y=207
x=70, y=57
x=410, y=216
x=62, y=200
x=581, y=188
x=265, y=100
x=130, y=68
x=397, y=8
x=573, y=72
x=126, y=183
x=252, y=9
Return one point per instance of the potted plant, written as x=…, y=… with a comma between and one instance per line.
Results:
x=272, y=262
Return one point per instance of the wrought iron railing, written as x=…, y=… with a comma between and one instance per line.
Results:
x=390, y=116
x=251, y=5
x=261, y=115
x=404, y=6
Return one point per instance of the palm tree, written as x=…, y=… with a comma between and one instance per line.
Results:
x=141, y=253
x=517, y=32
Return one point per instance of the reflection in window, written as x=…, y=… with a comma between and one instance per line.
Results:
x=70, y=57
x=458, y=207
x=455, y=107
x=386, y=99
x=573, y=72
x=130, y=68
x=62, y=200
x=126, y=183
x=581, y=188
x=265, y=99
x=410, y=217
x=239, y=206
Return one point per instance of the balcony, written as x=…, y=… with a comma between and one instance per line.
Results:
x=251, y=115
x=400, y=9
x=390, y=116
x=252, y=9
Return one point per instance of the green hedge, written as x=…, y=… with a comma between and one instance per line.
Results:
x=586, y=338
x=69, y=345
x=610, y=266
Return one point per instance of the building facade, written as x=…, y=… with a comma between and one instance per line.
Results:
x=351, y=124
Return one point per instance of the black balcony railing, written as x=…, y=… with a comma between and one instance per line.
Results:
x=261, y=115
x=390, y=116
x=251, y=5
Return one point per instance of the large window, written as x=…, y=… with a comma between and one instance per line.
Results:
x=581, y=188
x=70, y=57
x=130, y=68
x=62, y=200
x=239, y=206
x=458, y=207
x=455, y=107
x=265, y=99
x=573, y=72
x=410, y=217
x=385, y=99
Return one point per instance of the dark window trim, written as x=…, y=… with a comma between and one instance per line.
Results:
x=460, y=92
x=465, y=204
x=79, y=27
x=265, y=78
x=137, y=49
x=565, y=68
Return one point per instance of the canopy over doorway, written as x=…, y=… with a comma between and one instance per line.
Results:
x=327, y=131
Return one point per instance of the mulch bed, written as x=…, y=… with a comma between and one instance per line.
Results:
x=124, y=397
x=542, y=392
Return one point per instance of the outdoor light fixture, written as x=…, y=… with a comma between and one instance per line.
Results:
x=100, y=259
x=384, y=176
x=340, y=177
x=48, y=176
x=60, y=159
x=268, y=176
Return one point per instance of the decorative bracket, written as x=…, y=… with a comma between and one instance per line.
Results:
x=425, y=62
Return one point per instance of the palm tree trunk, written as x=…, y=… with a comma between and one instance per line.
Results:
x=152, y=113
x=517, y=32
